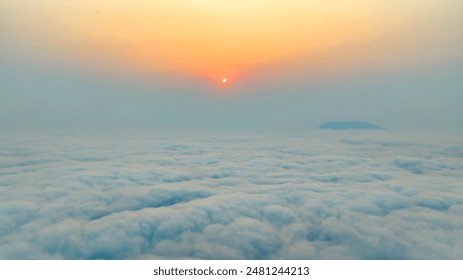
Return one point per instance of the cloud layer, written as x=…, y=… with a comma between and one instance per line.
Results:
x=323, y=195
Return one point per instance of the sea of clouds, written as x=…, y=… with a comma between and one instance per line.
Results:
x=313, y=195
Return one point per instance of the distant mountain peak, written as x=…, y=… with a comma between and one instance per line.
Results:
x=340, y=125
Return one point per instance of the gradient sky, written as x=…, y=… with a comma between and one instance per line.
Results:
x=288, y=63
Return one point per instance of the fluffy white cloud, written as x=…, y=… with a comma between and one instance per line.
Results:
x=323, y=195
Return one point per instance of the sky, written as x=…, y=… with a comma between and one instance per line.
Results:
x=287, y=63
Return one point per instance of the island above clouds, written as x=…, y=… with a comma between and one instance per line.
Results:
x=343, y=125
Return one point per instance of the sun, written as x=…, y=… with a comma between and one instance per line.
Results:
x=224, y=80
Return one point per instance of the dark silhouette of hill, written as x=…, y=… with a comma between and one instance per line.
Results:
x=342, y=125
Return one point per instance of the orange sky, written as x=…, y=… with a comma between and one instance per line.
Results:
x=217, y=39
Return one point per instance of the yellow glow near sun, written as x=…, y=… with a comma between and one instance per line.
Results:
x=203, y=37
